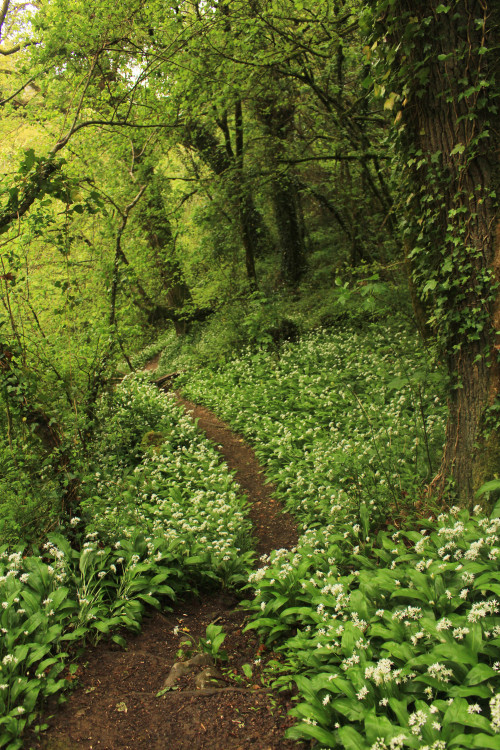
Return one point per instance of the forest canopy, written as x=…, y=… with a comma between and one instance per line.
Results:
x=165, y=161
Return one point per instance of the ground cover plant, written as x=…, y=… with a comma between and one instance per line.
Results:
x=159, y=516
x=158, y=474
x=338, y=419
x=392, y=641
x=390, y=634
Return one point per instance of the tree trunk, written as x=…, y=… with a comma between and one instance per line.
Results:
x=160, y=239
x=249, y=229
x=290, y=230
x=450, y=161
x=278, y=120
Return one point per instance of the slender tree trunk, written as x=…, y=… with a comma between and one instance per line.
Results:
x=278, y=121
x=249, y=229
x=290, y=231
x=223, y=161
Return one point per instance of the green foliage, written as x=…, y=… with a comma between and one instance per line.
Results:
x=263, y=117
x=152, y=350
x=29, y=503
x=339, y=420
x=436, y=63
x=213, y=641
x=392, y=643
x=52, y=603
x=154, y=525
x=178, y=491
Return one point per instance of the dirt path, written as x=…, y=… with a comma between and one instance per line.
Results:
x=115, y=706
x=273, y=528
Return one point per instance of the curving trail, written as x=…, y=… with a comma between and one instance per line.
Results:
x=272, y=527
x=116, y=707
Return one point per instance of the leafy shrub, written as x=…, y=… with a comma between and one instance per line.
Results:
x=29, y=497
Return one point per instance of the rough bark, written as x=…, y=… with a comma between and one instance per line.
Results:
x=442, y=118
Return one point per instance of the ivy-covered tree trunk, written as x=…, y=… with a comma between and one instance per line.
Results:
x=443, y=60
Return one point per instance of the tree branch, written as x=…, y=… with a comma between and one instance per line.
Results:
x=3, y=13
x=13, y=96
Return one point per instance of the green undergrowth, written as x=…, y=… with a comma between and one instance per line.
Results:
x=338, y=419
x=158, y=474
x=141, y=358
x=392, y=640
x=159, y=516
x=387, y=624
x=269, y=316
x=30, y=497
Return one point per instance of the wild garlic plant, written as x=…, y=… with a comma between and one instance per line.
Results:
x=392, y=641
x=390, y=636
x=338, y=419
x=176, y=489
x=157, y=518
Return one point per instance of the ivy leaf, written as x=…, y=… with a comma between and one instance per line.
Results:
x=389, y=103
x=430, y=285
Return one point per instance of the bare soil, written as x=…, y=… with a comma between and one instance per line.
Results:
x=115, y=703
x=273, y=528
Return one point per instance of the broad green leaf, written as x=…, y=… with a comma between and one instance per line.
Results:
x=486, y=742
x=301, y=731
x=351, y=739
x=480, y=673
x=350, y=708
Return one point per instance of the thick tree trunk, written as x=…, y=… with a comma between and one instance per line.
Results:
x=450, y=147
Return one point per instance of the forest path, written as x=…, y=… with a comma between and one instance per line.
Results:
x=116, y=707
x=273, y=528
